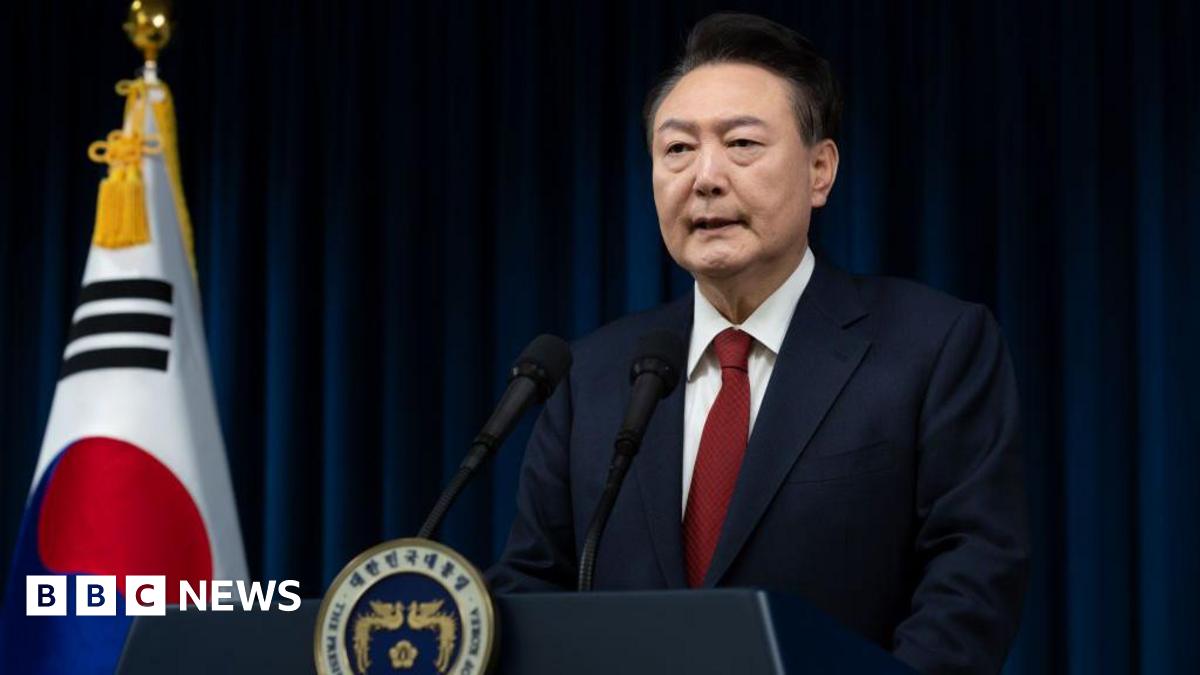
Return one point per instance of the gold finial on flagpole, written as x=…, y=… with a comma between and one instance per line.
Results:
x=148, y=26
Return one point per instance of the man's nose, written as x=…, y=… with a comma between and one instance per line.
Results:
x=711, y=178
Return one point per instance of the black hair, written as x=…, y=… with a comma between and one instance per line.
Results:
x=751, y=39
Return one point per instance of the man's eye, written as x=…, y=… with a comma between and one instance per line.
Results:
x=677, y=148
x=742, y=143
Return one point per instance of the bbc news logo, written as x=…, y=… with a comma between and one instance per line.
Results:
x=146, y=595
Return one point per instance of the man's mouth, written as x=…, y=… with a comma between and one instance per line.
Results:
x=714, y=223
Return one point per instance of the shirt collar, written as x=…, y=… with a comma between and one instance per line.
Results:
x=767, y=325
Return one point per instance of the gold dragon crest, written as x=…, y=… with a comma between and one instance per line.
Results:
x=390, y=616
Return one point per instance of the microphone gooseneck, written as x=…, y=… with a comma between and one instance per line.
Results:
x=533, y=377
x=654, y=374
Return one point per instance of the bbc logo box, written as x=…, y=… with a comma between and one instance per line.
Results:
x=47, y=595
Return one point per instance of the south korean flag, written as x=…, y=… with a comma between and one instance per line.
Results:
x=132, y=477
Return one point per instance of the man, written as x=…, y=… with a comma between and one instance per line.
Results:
x=851, y=440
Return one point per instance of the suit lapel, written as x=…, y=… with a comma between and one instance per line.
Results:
x=815, y=361
x=659, y=464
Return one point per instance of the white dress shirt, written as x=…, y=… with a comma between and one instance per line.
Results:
x=767, y=325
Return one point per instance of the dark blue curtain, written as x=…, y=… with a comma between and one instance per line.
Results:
x=391, y=198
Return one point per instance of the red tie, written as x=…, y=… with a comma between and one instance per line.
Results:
x=722, y=446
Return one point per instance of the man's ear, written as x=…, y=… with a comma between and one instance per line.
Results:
x=823, y=170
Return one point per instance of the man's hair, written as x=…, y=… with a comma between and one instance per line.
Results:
x=754, y=40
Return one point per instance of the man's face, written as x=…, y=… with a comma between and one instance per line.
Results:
x=734, y=182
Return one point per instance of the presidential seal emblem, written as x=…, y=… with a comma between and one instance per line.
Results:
x=407, y=605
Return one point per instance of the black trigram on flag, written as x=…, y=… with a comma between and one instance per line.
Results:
x=120, y=323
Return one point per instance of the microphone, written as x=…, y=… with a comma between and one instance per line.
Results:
x=654, y=375
x=533, y=377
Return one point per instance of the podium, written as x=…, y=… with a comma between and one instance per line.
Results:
x=723, y=631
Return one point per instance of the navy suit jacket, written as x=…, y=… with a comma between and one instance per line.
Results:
x=882, y=481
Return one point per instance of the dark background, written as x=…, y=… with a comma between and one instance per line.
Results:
x=391, y=198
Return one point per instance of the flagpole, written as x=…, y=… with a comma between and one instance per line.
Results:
x=148, y=26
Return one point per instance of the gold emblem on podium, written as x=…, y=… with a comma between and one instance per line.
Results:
x=410, y=605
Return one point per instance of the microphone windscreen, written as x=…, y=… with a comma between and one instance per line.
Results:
x=666, y=347
x=551, y=359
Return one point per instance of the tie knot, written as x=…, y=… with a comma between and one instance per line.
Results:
x=733, y=348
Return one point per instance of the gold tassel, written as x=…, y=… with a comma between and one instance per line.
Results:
x=121, y=209
x=121, y=218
